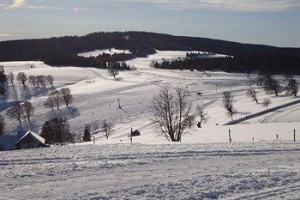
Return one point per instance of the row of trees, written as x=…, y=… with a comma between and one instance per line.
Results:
x=34, y=81
x=22, y=79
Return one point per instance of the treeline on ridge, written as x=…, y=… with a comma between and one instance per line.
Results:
x=267, y=63
x=64, y=50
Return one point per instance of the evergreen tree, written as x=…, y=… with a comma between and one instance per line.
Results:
x=87, y=133
x=57, y=130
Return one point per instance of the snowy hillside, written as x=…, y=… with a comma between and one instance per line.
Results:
x=96, y=97
x=204, y=165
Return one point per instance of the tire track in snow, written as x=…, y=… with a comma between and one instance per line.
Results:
x=270, y=193
x=275, y=116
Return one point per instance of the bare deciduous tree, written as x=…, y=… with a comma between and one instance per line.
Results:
x=41, y=80
x=10, y=78
x=15, y=112
x=107, y=128
x=50, y=80
x=2, y=125
x=66, y=96
x=28, y=110
x=172, y=112
x=266, y=103
x=203, y=116
x=228, y=104
x=56, y=95
x=292, y=87
x=113, y=72
x=50, y=103
x=252, y=94
x=271, y=85
x=22, y=78
x=33, y=81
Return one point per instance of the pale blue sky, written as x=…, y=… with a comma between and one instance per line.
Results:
x=273, y=22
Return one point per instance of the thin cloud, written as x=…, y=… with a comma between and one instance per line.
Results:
x=237, y=5
x=4, y=35
x=23, y=4
x=16, y=4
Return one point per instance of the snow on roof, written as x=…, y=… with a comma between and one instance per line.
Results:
x=36, y=136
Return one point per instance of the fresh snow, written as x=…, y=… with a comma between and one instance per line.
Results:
x=205, y=165
x=258, y=170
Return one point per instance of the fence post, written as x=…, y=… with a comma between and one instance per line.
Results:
x=93, y=139
x=294, y=135
x=230, y=139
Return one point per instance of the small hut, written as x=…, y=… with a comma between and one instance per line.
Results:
x=30, y=140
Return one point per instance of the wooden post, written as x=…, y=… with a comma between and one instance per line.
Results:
x=294, y=135
x=230, y=139
x=93, y=139
x=276, y=136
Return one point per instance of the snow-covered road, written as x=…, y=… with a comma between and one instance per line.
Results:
x=172, y=171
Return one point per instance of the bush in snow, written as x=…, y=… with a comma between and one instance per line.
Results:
x=228, y=104
x=266, y=103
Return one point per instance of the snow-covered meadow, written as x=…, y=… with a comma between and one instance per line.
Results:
x=204, y=165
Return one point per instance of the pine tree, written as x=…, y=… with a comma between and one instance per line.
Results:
x=87, y=133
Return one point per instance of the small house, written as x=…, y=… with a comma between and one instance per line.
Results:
x=30, y=140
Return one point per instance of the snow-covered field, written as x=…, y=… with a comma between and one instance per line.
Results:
x=204, y=165
x=258, y=170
